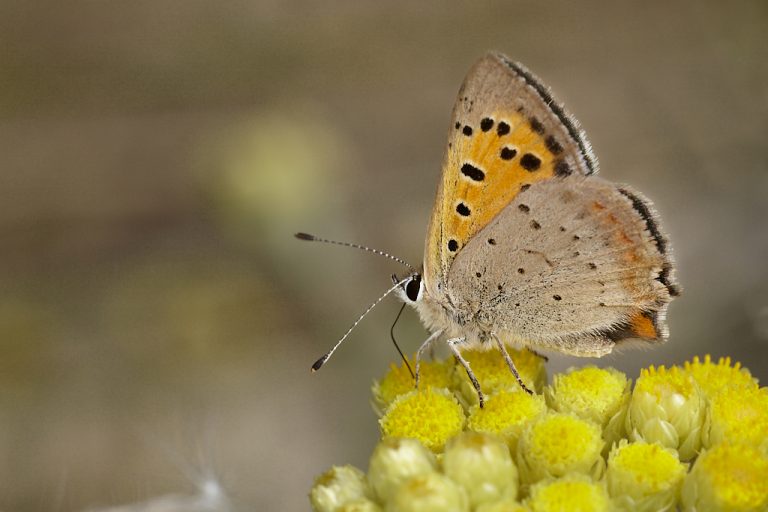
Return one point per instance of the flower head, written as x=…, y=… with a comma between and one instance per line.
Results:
x=573, y=493
x=398, y=380
x=506, y=413
x=430, y=415
x=482, y=464
x=690, y=438
x=337, y=487
x=395, y=461
x=728, y=477
x=714, y=377
x=597, y=394
x=644, y=477
x=558, y=444
x=667, y=407
x=738, y=415
x=361, y=505
x=493, y=373
x=431, y=491
x=503, y=505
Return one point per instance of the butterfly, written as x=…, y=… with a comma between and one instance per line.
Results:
x=525, y=245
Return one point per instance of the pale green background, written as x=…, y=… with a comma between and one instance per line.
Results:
x=155, y=157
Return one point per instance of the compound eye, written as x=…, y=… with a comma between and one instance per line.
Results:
x=413, y=287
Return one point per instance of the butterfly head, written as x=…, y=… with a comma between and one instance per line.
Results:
x=411, y=289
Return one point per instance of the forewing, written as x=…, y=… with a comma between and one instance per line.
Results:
x=506, y=132
x=576, y=264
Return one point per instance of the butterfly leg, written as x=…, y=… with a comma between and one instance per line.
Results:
x=452, y=345
x=510, y=363
x=419, y=353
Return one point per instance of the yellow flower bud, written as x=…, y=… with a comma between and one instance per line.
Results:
x=727, y=477
x=503, y=505
x=362, y=505
x=558, y=444
x=398, y=380
x=597, y=394
x=396, y=460
x=667, y=407
x=493, y=373
x=572, y=493
x=430, y=492
x=738, y=415
x=336, y=487
x=430, y=415
x=713, y=378
x=482, y=464
x=644, y=477
x=506, y=413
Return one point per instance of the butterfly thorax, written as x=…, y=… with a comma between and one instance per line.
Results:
x=439, y=312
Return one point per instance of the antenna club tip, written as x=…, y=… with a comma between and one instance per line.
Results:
x=319, y=363
x=304, y=236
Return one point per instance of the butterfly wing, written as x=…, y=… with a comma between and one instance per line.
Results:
x=576, y=264
x=507, y=132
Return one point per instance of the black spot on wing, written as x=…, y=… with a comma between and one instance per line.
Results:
x=462, y=210
x=553, y=146
x=486, y=124
x=530, y=162
x=536, y=126
x=562, y=169
x=467, y=130
x=502, y=129
x=472, y=172
x=507, y=153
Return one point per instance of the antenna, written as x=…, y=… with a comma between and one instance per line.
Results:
x=320, y=362
x=313, y=238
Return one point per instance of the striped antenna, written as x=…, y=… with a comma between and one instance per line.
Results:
x=313, y=238
x=320, y=362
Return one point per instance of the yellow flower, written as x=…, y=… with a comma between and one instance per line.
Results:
x=573, y=493
x=558, y=444
x=481, y=463
x=430, y=492
x=506, y=413
x=597, y=394
x=493, y=373
x=667, y=407
x=712, y=378
x=398, y=380
x=430, y=415
x=738, y=415
x=644, y=477
x=395, y=461
x=503, y=505
x=361, y=505
x=336, y=487
x=727, y=477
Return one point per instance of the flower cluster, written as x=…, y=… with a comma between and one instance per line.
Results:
x=691, y=437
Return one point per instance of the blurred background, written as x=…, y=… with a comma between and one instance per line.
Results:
x=158, y=320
